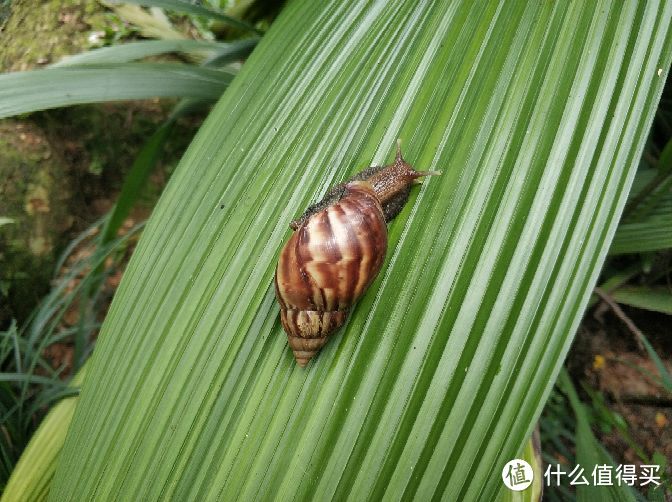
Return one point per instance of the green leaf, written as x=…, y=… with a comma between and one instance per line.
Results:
x=5, y=221
x=643, y=297
x=22, y=377
x=25, y=92
x=648, y=226
x=191, y=8
x=652, y=233
x=537, y=113
x=664, y=374
x=137, y=50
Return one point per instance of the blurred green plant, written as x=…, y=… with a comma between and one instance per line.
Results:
x=28, y=383
x=568, y=441
x=193, y=9
x=31, y=476
x=109, y=74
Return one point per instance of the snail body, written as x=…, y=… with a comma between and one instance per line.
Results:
x=335, y=253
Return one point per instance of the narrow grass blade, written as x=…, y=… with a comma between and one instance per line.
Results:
x=135, y=180
x=658, y=299
x=26, y=378
x=647, y=226
x=225, y=51
x=663, y=373
x=25, y=92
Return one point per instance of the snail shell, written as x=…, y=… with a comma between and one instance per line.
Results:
x=327, y=264
x=336, y=252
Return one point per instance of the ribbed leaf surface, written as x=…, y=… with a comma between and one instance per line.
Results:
x=535, y=111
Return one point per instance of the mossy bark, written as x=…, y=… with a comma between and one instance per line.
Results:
x=34, y=191
x=39, y=32
x=34, y=195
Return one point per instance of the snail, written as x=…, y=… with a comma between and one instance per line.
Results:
x=336, y=251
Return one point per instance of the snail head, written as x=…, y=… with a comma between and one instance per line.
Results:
x=392, y=183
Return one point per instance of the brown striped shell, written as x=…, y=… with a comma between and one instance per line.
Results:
x=326, y=266
x=336, y=251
